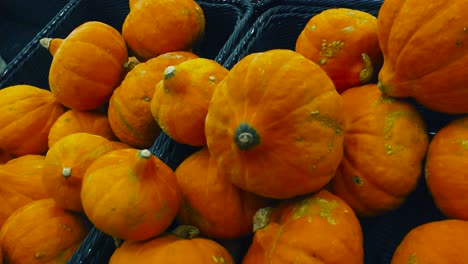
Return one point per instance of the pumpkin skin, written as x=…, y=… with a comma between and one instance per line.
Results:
x=446, y=163
x=344, y=43
x=41, y=232
x=180, y=24
x=67, y=161
x=74, y=121
x=385, y=144
x=294, y=232
x=172, y=248
x=449, y=247
x=24, y=109
x=282, y=141
x=129, y=107
x=410, y=68
x=201, y=184
x=142, y=195
x=21, y=183
x=87, y=66
x=180, y=102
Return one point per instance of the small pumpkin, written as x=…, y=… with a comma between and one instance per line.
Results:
x=318, y=228
x=179, y=246
x=447, y=246
x=21, y=183
x=67, y=161
x=181, y=99
x=446, y=174
x=129, y=107
x=5, y=157
x=28, y=113
x=180, y=26
x=87, y=65
x=142, y=195
x=230, y=216
x=425, y=53
x=275, y=125
x=74, y=121
x=384, y=147
x=344, y=43
x=41, y=232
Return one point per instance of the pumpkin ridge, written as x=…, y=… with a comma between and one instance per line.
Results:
x=124, y=121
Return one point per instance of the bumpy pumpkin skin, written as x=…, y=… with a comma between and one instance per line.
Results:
x=447, y=246
x=275, y=125
x=180, y=24
x=67, y=161
x=142, y=195
x=385, y=144
x=344, y=43
x=129, y=107
x=446, y=174
x=172, y=248
x=180, y=102
x=319, y=228
x=21, y=180
x=87, y=66
x=41, y=232
x=74, y=121
x=409, y=44
x=230, y=216
x=28, y=113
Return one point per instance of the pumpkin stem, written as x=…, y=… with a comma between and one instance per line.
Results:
x=131, y=63
x=246, y=137
x=144, y=154
x=51, y=44
x=169, y=72
x=117, y=242
x=366, y=74
x=66, y=172
x=262, y=218
x=186, y=231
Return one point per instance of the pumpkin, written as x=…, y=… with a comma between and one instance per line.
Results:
x=318, y=228
x=201, y=184
x=129, y=107
x=447, y=246
x=275, y=125
x=344, y=43
x=87, y=65
x=74, y=121
x=21, y=183
x=409, y=44
x=28, y=113
x=41, y=232
x=67, y=161
x=384, y=147
x=180, y=102
x=5, y=157
x=179, y=246
x=141, y=198
x=446, y=163
x=180, y=26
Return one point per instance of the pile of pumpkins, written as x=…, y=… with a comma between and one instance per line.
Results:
x=294, y=146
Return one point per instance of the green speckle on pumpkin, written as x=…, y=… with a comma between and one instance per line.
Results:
x=348, y=29
x=388, y=149
x=412, y=259
x=39, y=255
x=218, y=259
x=366, y=73
x=325, y=209
x=312, y=27
x=327, y=121
x=357, y=180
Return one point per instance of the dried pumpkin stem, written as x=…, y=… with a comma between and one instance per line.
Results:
x=261, y=218
x=66, y=172
x=144, y=154
x=186, y=231
x=51, y=44
x=169, y=72
x=366, y=74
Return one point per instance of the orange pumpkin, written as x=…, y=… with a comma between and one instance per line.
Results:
x=385, y=144
x=87, y=65
x=141, y=198
x=180, y=25
x=28, y=113
x=67, y=161
x=201, y=184
x=425, y=54
x=5, y=157
x=129, y=107
x=41, y=232
x=21, y=183
x=446, y=174
x=74, y=121
x=447, y=244
x=179, y=246
x=180, y=102
x=344, y=43
x=319, y=228
x=275, y=125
